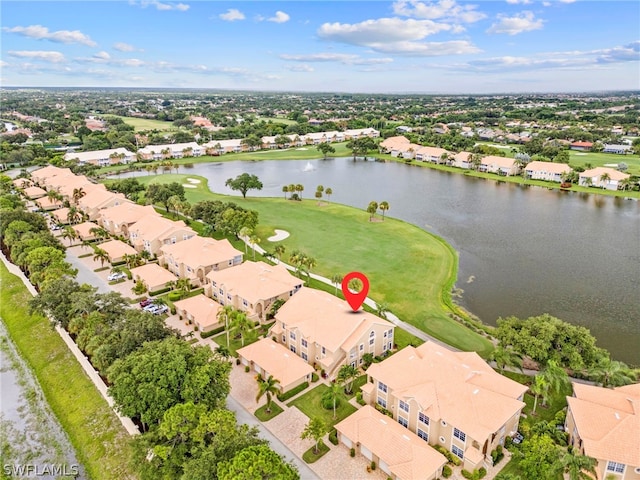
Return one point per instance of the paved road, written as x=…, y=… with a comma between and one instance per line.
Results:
x=86, y=274
x=244, y=416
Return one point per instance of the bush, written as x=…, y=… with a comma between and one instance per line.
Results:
x=359, y=399
x=174, y=296
x=446, y=471
x=352, y=452
x=237, y=361
x=467, y=474
x=327, y=403
x=507, y=442
x=333, y=436
x=373, y=465
x=246, y=368
x=482, y=472
x=314, y=377
x=294, y=391
x=158, y=292
x=211, y=333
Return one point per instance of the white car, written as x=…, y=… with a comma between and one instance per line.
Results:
x=151, y=308
x=116, y=276
x=161, y=309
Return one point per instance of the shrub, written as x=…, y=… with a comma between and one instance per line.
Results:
x=294, y=391
x=507, y=442
x=446, y=471
x=482, y=472
x=314, y=377
x=359, y=399
x=158, y=292
x=373, y=465
x=467, y=474
x=211, y=333
x=174, y=296
x=352, y=452
x=246, y=368
x=333, y=436
x=237, y=361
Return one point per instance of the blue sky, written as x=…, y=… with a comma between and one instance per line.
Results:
x=402, y=46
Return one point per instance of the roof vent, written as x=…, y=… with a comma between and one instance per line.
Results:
x=406, y=438
x=383, y=422
x=617, y=416
x=475, y=392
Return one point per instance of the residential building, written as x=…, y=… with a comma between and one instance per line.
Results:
x=431, y=154
x=324, y=331
x=152, y=231
x=40, y=175
x=452, y=399
x=399, y=453
x=172, y=150
x=604, y=424
x=116, y=250
x=117, y=219
x=581, y=146
x=500, y=165
x=61, y=216
x=83, y=230
x=197, y=256
x=46, y=203
x=602, y=177
x=220, y=147
x=34, y=192
x=199, y=310
x=463, y=160
x=102, y=158
x=252, y=287
x=394, y=145
x=98, y=199
x=153, y=276
x=21, y=183
x=619, y=149
x=267, y=357
x=549, y=171
x=354, y=134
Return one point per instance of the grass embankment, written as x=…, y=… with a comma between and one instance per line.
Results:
x=101, y=442
x=409, y=269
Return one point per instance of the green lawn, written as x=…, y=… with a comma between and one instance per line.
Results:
x=146, y=123
x=262, y=415
x=236, y=343
x=310, y=404
x=283, y=120
x=409, y=269
x=580, y=159
x=101, y=442
x=311, y=456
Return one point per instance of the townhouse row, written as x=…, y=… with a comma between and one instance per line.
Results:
x=602, y=177
x=215, y=147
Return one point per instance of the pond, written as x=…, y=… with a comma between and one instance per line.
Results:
x=524, y=250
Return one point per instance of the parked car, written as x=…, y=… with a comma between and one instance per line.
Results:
x=161, y=309
x=517, y=438
x=145, y=302
x=116, y=276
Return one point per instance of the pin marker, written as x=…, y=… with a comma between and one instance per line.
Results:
x=356, y=299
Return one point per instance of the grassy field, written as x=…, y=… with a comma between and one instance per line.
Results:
x=101, y=442
x=283, y=120
x=147, y=123
x=310, y=404
x=409, y=269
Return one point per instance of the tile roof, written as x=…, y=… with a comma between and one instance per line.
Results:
x=83, y=229
x=201, y=308
x=96, y=198
x=127, y=213
x=458, y=387
x=153, y=274
x=32, y=192
x=599, y=171
x=502, y=162
x=155, y=227
x=549, y=167
x=608, y=421
x=198, y=251
x=49, y=171
x=327, y=320
x=276, y=360
x=407, y=455
x=255, y=281
x=117, y=249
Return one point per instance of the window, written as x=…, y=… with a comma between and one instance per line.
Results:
x=382, y=387
x=303, y=342
x=423, y=418
x=423, y=435
x=372, y=341
x=385, y=335
x=615, y=467
x=284, y=339
x=372, y=334
x=384, y=347
x=458, y=452
x=292, y=336
x=459, y=435
x=382, y=402
x=361, y=347
x=403, y=406
x=403, y=421
x=229, y=297
x=390, y=332
x=221, y=292
x=173, y=239
x=389, y=346
x=304, y=356
x=245, y=303
x=293, y=349
x=324, y=351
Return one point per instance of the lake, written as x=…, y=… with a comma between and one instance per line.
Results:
x=523, y=250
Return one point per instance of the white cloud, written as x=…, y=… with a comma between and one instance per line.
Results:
x=182, y=7
x=444, y=9
x=519, y=2
x=546, y=4
x=522, y=22
x=232, y=15
x=124, y=47
x=428, y=49
x=344, y=58
x=279, y=17
x=101, y=56
x=45, y=56
x=300, y=68
x=567, y=1
x=3, y=64
x=38, y=32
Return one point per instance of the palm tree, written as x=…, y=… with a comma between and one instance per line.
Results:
x=299, y=188
x=226, y=313
x=245, y=233
x=328, y=192
x=77, y=194
x=384, y=206
x=537, y=388
x=73, y=215
x=101, y=256
x=336, y=279
x=556, y=379
x=285, y=190
x=333, y=395
x=309, y=264
x=222, y=351
x=242, y=325
x=53, y=195
x=604, y=178
x=625, y=183
x=612, y=373
x=382, y=309
x=132, y=261
x=579, y=467
x=346, y=375
x=372, y=209
x=587, y=182
x=99, y=232
x=475, y=159
x=183, y=285
x=69, y=233
x=267, y=387
x=254, y=240
x=506, y=357
x=279, y=250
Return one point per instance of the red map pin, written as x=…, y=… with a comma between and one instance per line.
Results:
x=355, y=300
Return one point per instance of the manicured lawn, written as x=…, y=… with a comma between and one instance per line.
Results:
x=100, y=440
x=580, y=159
x=146, y=123
x=311, y=456
x=236, y=343
x=262, y=415
x=357, y=383
x=310, y=404
x=409, y=269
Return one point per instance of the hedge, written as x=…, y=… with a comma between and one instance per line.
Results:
x=159, y=292
x=333, y=436
x=211, y=333
x=446, y=471
x=294, y=391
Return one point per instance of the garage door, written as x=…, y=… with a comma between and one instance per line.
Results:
x=385, y=468
x=366, y=452
x=346, y=441
x=257, y=368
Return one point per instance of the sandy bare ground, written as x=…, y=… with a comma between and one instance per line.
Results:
x=280, y=235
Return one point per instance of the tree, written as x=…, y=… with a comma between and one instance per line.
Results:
x=73, y=215
x=332, y=396
x=161, y=374
x=77, y=194
x=506, y=357
x=279, y=250
x=243, y=183
x=162, y=193
x=604, y=178
x=101, y=256
x=556, y=379
x=183, y=285
x=242, y=325
x=325, y=148
x=226, y=313
x=139, y=287
x=328, y=192
x=372, y=209
x=99, y=232
x=267, y=387
x=539, y=458
x=315, y=430
x=318, y=196
x=57, y=300
x=299, y=188
x=336, y=279
x=579, y=467
x=537, y=388
x=384, y=206
x=257, y=463
x=346, y=375
x=254, y=240
x=611, y=373
x=285, y=190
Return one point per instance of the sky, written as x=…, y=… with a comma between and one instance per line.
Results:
x=403, y=46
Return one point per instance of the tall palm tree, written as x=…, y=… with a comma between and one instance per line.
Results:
x=556, y=379
x=579, y=467
x=254, y=240
x=372, y=209
x=100, y=255
x=604, y=178
x=77, y=194
x=279, y=250
x=299, y=188
x=612, y=373
x=506, y=357
x=285, y=190
x=328, y=192
x=183, y=285
x=336, y=279
x=334, y=394
x=537, y=388
x=245, y=233
x=242, y=325
x=99, y=232
x=267, y=388
x=346, y=375
x=69, y=233
x=73, y=215
x=226, y=314
x=384, y=206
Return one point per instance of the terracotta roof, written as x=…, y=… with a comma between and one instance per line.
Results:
x=61, y=214
x=394, y=142
x=582, y=144
x=201, y=308
x=153, y=274
x=599, y=171
x=82, y=229
x=46, y=202
x=431, y=151
x=276, y=360
x=323, y=318
x=127, y=213
x=33, y=192
x=117, y=249
x=462, y=156
x=49, y=171
x=549, y=167
x=198, y=251
x=407, y=455
x=255, y=281
x=155, y=227
x=608, y=421
x=458, y=387
x=503, y=162
x=96, y=198
x=22, y=182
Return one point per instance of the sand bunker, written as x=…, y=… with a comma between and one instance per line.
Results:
x=188, y=185
x=280, y=235
x=193, y=180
